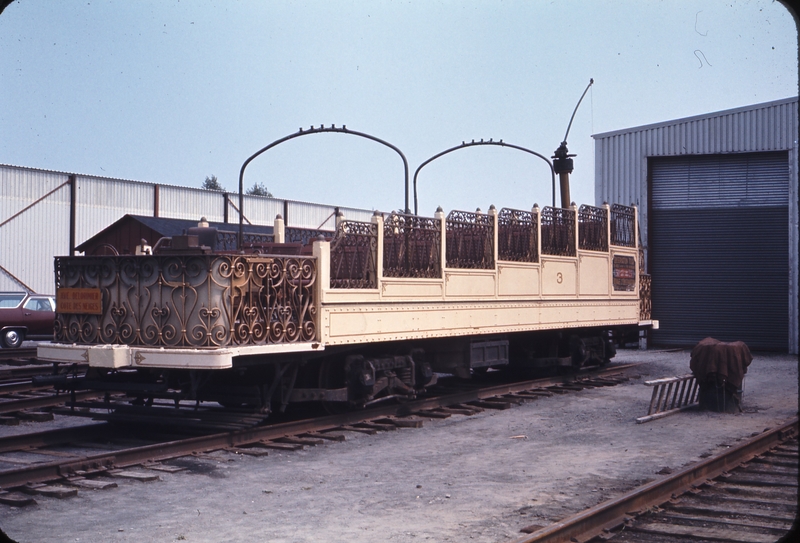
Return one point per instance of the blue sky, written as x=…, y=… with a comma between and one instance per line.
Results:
x=173, y=91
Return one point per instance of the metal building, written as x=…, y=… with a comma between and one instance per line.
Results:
x=718, y=207
x=46, y=213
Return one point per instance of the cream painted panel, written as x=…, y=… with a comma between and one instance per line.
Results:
x=350, y=295
x=518, y=280
x=472, y=283
x=395, y=321
x=411, y=288
x=559, y=278
x=594, y=274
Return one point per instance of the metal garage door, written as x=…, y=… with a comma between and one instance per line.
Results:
x=719, y=249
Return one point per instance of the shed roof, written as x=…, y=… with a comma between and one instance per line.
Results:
x=695, y=118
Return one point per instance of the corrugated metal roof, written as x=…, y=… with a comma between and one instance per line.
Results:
x=693, y=118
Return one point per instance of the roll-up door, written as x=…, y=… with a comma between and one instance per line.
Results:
x=719, y=249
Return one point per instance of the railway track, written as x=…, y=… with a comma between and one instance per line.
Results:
x=25, y=390
x=69, y=464
x=748, y=494
x=15, y=355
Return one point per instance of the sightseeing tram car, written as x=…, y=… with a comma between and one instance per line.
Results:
x=372, y=312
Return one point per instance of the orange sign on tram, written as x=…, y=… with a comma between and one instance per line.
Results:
x=79, y=300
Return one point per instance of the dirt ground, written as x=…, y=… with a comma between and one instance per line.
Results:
x=479, y=478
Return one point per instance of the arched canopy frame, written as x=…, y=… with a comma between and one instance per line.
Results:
x=473, y=143
x=306, y=132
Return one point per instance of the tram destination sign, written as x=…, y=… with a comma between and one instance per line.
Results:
x=624, y=273
x=79, y=300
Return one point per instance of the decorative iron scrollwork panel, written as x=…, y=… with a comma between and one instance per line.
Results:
x=623, y=227
x=190, y=300
x=469, y=240
x=645, y=297
x=592, y=228
x=517, y=236
x=354, y=255
x=558, y=231
x=411, y=246
x=304, y=236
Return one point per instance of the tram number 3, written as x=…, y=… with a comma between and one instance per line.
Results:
x=559, y=278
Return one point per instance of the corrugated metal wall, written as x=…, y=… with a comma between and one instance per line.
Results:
x=100, y=202
x=29, y=241
x=190, y=203
x=621, y=162
x=43, y=228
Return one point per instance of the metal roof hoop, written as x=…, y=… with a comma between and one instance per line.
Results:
x=500, y=143
x=302, y=132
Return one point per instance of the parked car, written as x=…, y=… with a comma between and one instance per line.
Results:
x=25, y=315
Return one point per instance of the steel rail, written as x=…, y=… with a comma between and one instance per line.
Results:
x=12, y=406
x=23, y=352
x=15, y=387
x=173, y=449
x=593, y=521
x=54, y=437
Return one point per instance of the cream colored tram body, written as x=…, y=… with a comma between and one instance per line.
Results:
x=374, y=311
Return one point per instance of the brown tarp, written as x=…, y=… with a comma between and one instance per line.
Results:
x=726, y=360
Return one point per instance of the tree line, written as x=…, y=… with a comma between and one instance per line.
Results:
x=258, y=189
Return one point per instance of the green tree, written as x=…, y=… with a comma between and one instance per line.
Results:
x=211, y=183
x=258, y=189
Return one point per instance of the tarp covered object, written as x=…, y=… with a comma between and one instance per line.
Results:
x=726, y=360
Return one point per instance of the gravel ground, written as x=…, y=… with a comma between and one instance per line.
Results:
x=479, y=478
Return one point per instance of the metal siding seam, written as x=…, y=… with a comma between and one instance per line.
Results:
x=791, y=115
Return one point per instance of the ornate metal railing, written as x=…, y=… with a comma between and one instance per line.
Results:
x=469, y=240
x=305, y=236
x=558, y=231
x=623, y=226
x=226, y=241
x=517, y=237
x=645, y=301
x=592, y=228
x=412, y=246
x=354, y=255
x=188, y=300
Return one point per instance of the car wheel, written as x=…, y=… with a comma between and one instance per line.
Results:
x=12, y=339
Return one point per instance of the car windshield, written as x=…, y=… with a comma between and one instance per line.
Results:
x=10, y=299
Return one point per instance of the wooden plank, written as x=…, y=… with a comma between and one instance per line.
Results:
x=293, y=440
x=92, y=484
x=699, y=532
x=434, y=414
x=491, y=405
x=729, y=509
x=409, y=422
x=320, y=435
x=55, y=491
x=250, y=451
x=163, y=467
x=662, y=414
x=16, y=499
x=136, y=475
x=280, y=446
x=777, y=526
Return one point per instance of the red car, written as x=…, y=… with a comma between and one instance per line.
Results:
x=25, y=316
